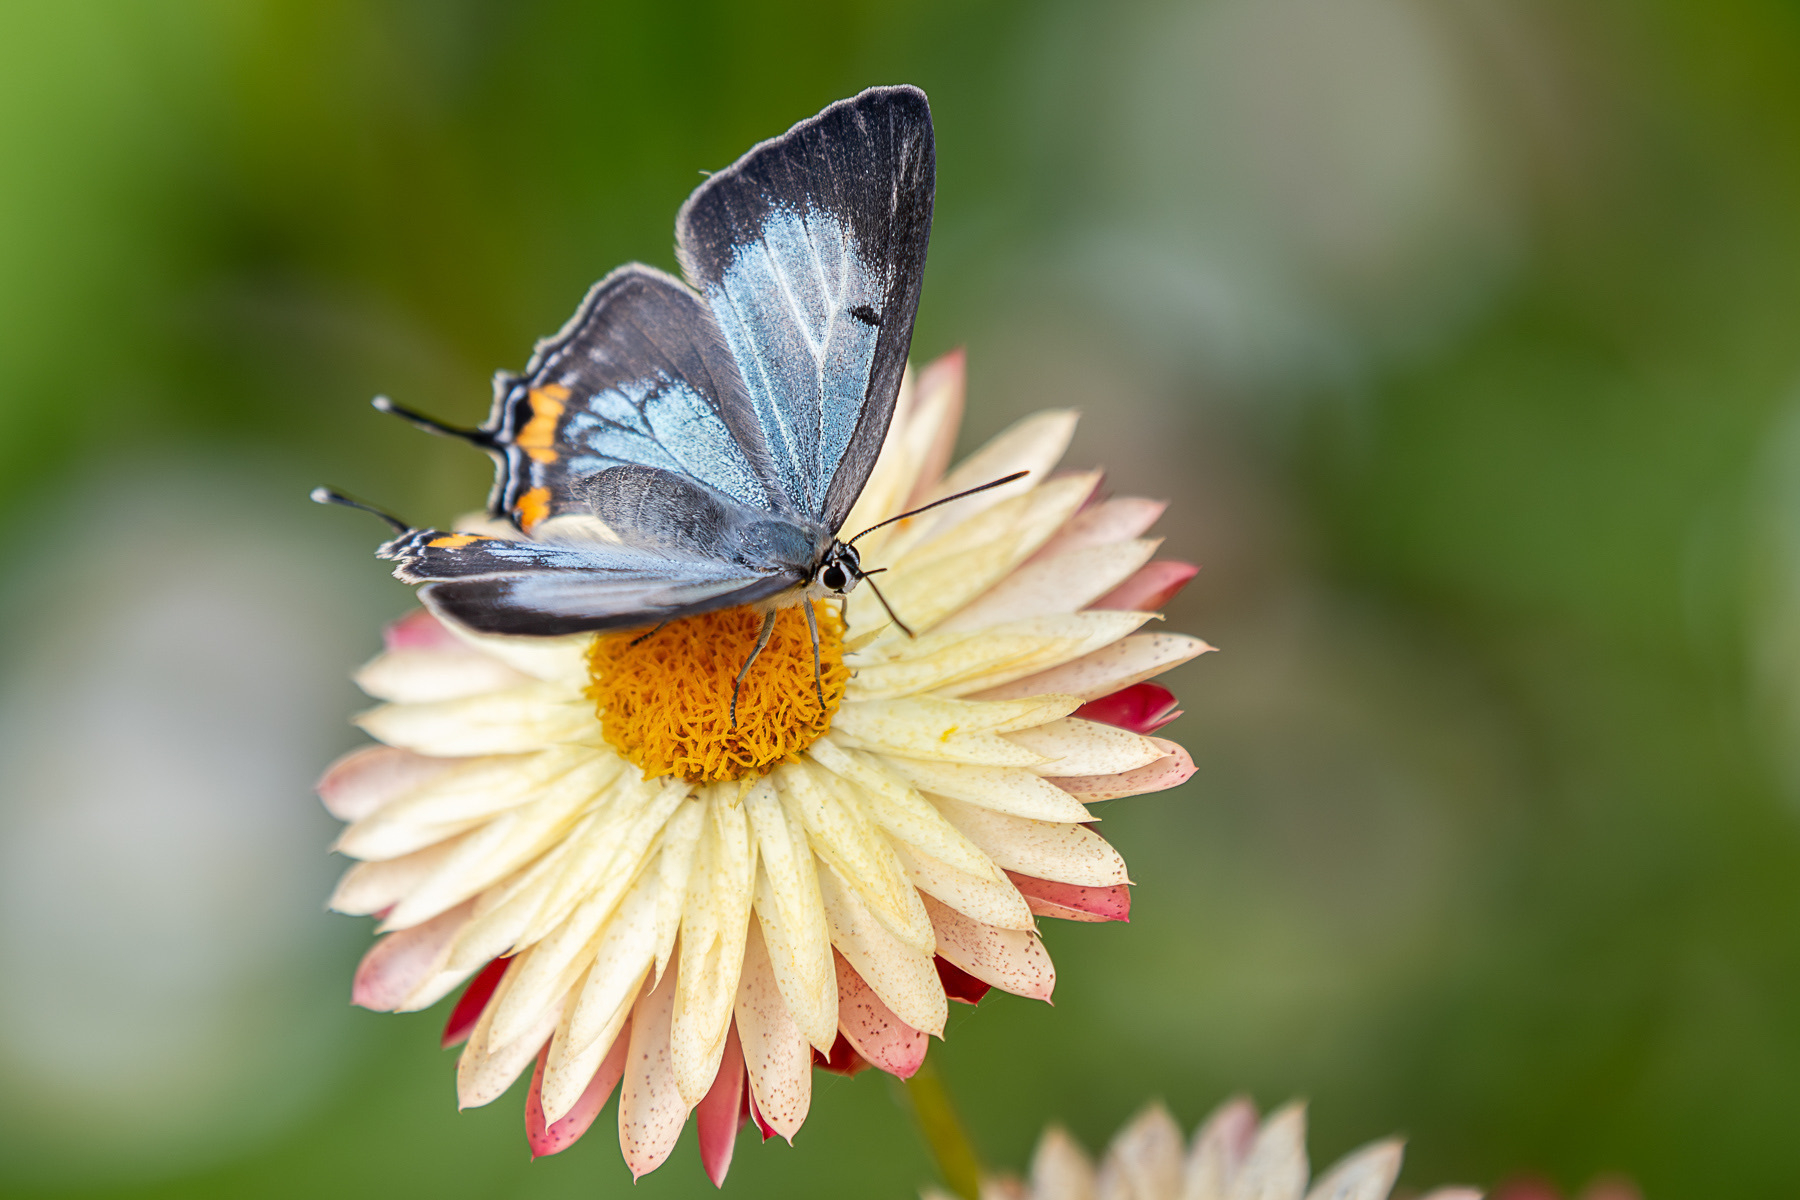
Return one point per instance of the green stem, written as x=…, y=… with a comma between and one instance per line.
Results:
x=944, y=1132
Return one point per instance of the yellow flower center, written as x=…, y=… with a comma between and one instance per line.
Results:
x=664, y=698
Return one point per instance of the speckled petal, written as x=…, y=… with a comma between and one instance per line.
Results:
x=873, y=1028
x=1104, y=671
x=1172, y=770
x=1012, y=960
x=1073, y=746
x=1062, y=853
x=776, y=1054
x=990, y=899
x=651, y=1110
x=905, y=979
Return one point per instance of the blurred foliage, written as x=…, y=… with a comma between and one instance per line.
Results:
x=1492, y=842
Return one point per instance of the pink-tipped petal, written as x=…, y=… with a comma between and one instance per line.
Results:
x=419, y=630
x=720, y=1112
x=763, y=1127
x=1167, y=772
x=469, y=1005
x=1141, y=708
x=559, y=1135
x=872, y=1028
x=1013, y=960
x=1072, y=902
x=360, y=782
x=959, y=985
x=651, y=1111
x=399, y=963
x=1102, y=522
x=1154, y=585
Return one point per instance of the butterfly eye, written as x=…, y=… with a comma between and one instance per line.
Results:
x=833, y=577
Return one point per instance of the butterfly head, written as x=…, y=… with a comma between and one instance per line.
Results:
x=839, y=570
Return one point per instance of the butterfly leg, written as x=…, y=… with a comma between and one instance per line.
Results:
x=762, y=639
x=649, y=633
x=812, y=627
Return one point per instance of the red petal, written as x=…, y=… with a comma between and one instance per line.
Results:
x=419, y=630
x=1073, y=902
x=1154, y=585
x=873, y=1029
x=469, y=1005
x=843, y=1060
x=718, y=1112
x=959, y=984
x=1141, y=708
x=566, y=1132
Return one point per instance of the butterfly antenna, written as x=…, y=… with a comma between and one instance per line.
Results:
x=928, y=507
x=475, y=437
x=892, y=615
x=324, y=495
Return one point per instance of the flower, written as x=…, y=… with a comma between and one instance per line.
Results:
x=1233, y=1156
x=580, y=826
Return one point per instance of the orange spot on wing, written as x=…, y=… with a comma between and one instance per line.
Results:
x=538, y=438
x=453, y=541
x=533, y=507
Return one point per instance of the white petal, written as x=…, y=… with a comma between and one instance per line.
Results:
x=711, y=950
x=950, y=730
x=1059, y=1168
x=675, y=864
x=1062, y=853
x=1073, y=746
x=905, y=979
x=801, y=962
x=370, y=887
x=485, y=1071
x=1107, y=670
x=1220, y=1146
x=903, y=813
x=1012, y=790
x=982, y=899
x=777, y=1055
x=1060, y=583
x=953, y=662
x=651, y=1110
x=1012, y=960
x=1277, y=1167
x=840, y=835
x=1365, y=1174
x=612, y=853
x=517, y=720
x=622, y=959
x=1146, y=1155
x=362, y=781
x=422, y=676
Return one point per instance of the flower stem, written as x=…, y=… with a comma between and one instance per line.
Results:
x=944, y=1132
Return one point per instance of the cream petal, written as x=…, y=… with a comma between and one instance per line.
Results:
x=485, y=1070
x=1047, y=850
x=1173, y=769
x=651, y=1110
x=935, y=662
x=1035, y=444
x=1012, y=960
x=1085, y=631
x=1118, y=519
x=905, y=979
x=1365, y=1174
x=417, y=676
x=369, y=887
x=622, y=959
x=1219, y=1149
x=776, y=1054
x=1060, y=1170
x=981, y=899
x=558, y=660
x=801, y=962
x=358, y=784
x=507, y=843
x=568, y=1071
x=1106, y=670
x=1060, y=583
x=873, y=1029
x=573, y=1117
x=950, y=730
x=510, y=722
x=1012, y=790
x=680, y=843
x=710, y=953
x=1276, y=1168
x=905, y=815
x=551, y=967
x=840, y=835
x=611, y=852
x=1147, y=1155
x=399, y=963
x=1073, y=746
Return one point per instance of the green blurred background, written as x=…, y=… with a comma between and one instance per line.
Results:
x=1462, y=334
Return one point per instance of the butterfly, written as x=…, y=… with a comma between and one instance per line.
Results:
x=683, y=446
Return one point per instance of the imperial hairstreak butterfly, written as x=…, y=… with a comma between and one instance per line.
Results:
x=681, y=447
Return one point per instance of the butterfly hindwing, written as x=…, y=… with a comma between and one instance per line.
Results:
x=810, y=251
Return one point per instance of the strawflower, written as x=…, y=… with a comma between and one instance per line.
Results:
x=576, y=828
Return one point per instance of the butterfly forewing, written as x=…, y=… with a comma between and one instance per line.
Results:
x=810, y=250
